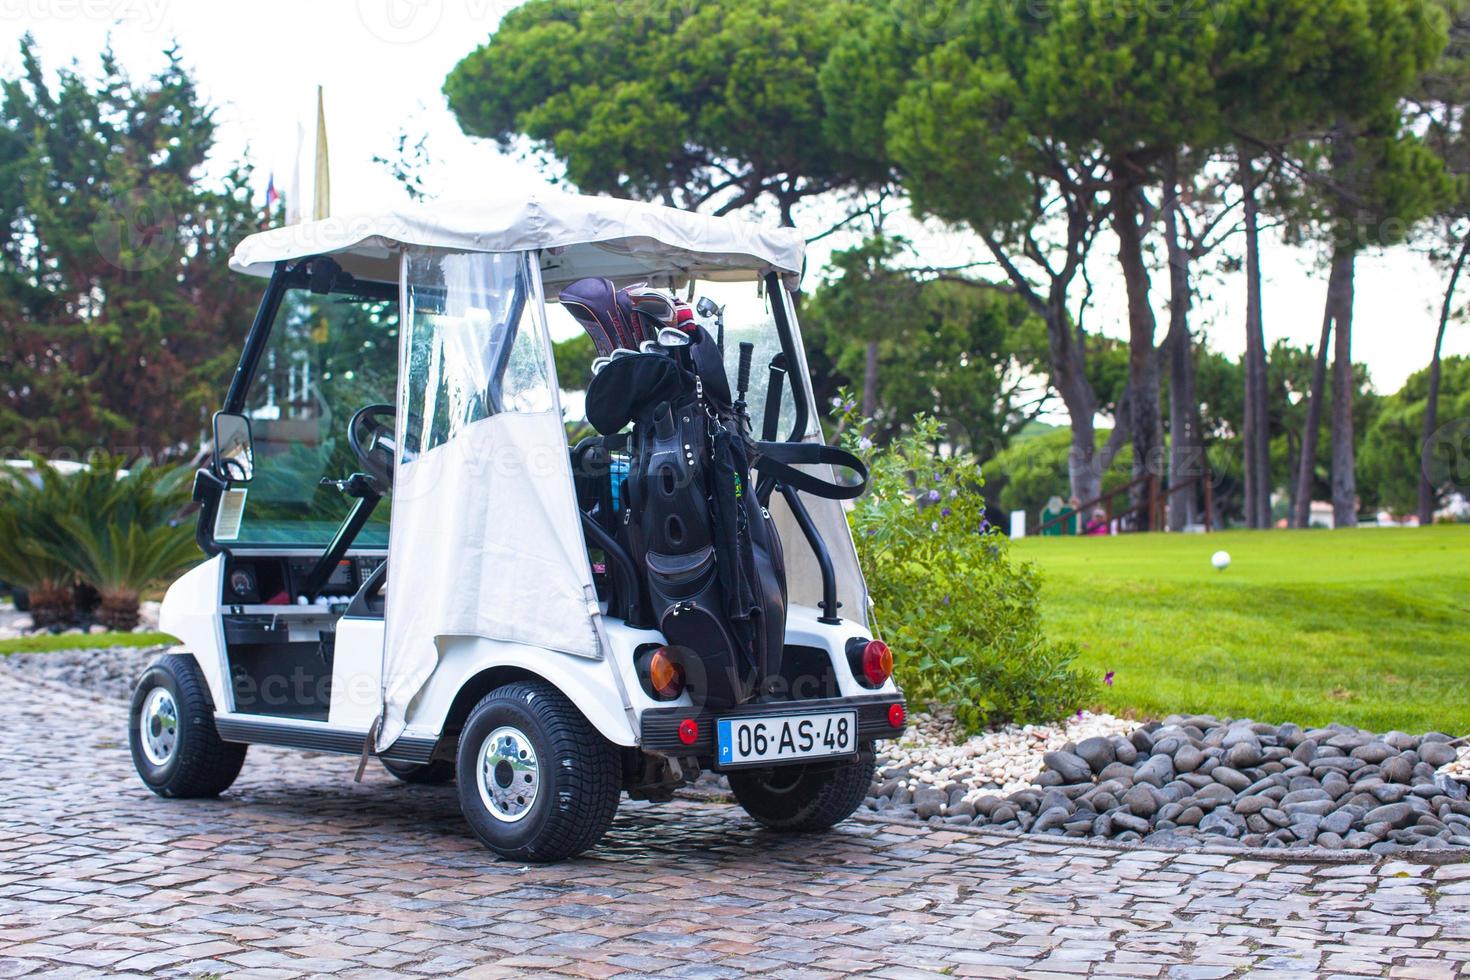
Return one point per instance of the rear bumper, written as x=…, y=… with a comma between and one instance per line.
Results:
x=659, y=727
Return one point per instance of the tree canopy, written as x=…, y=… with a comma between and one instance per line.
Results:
x=960, y=351
x=713, y=107
x=119, y=319
x=1391, y=460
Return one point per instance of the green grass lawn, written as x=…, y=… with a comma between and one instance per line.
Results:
x=1369, y=627
x=45, y=642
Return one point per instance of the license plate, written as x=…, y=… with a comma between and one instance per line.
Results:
x=747, y=741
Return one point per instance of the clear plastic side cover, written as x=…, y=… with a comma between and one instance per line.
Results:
x=474, y=345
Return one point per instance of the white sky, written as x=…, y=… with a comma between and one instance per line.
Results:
x=383, y=62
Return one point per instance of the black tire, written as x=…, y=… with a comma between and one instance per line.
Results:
x=804, y=799
x=199, y=763
x=435, y=773
x=577, y=775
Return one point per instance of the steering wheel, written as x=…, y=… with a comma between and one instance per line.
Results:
x=373, y=437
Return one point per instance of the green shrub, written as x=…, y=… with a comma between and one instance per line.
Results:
x=118, y=532
x=962, y=617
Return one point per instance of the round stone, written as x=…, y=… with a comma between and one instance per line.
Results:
x=1243, y=755
x=1188, y=758
x=1097, y=752
x=1437, y=754
x=1070, y=766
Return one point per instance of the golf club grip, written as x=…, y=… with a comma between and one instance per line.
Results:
x=742, y=376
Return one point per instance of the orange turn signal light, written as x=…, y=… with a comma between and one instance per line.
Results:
x=665, y=675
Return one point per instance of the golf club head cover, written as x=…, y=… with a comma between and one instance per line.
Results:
x=605, y=312
x=618, y=394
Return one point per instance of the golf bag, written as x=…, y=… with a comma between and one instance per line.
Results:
x=710, y=569
x=709, y=559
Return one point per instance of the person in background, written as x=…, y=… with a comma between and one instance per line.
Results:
x=1051, y=512
x=1098, y=525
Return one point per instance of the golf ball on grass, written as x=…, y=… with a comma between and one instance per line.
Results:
x=1221, y=560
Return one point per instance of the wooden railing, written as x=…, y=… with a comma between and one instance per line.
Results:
x=1149, y=514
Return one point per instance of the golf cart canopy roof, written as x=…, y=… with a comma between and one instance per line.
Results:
x=578, y=236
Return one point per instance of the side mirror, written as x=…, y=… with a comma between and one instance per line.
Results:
x=234, y=450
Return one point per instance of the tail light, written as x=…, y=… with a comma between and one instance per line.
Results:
x=664, y=674
x=871, y=661
x=688, y=731
x=896, y=716
x=877, y=663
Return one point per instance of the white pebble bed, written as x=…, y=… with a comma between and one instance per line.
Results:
x=1000, y=761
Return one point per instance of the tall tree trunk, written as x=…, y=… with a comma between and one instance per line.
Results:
x=1306, y=474
x=1344, y=463
x=1069, y=376
x=1431, y=400
x=1185, y=450
x=1083, y=472
x=1146, y=426
x=1256, y=435
x=1294, y=462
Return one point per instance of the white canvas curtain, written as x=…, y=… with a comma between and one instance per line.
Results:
x=486, y=539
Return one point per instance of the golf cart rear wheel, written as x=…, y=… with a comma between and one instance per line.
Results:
x=435, y=773
x=804, y=799
x=175, y=747
x=536, y=781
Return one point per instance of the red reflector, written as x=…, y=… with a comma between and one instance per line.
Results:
x=896, y=716
x=877, y=662
x=688, y=731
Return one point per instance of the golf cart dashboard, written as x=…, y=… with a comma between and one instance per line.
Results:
x=278, y=580
x=279, y=646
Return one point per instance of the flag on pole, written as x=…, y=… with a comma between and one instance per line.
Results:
x=321, y=198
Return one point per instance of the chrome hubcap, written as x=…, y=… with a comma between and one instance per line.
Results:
x=509, y=776
x=159, y=726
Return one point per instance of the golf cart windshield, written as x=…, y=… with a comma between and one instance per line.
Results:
x=327, y=356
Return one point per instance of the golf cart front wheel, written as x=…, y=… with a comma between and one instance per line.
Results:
x=536, y=781
x=804, y=799
x=435, y=773
x=175, y=747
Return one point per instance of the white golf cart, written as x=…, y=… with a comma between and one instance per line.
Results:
x=490, y=629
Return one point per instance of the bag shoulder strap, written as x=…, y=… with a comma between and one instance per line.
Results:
x=778, y=461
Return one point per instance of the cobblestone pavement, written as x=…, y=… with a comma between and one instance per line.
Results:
x=299, y=871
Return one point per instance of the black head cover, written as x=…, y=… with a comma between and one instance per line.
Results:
x=629, y=385
x=604, y=312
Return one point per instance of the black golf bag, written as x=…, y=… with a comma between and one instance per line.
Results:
x=707, y=560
